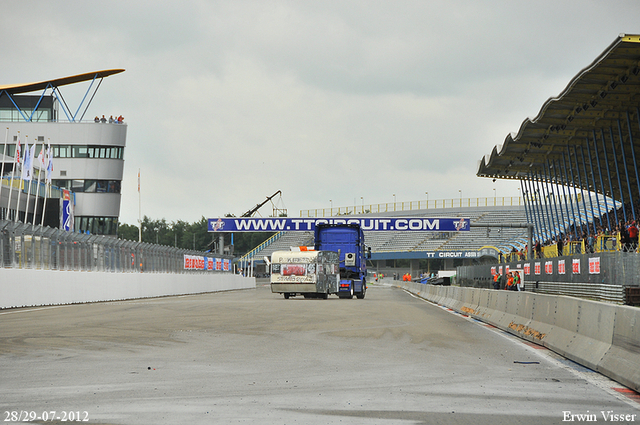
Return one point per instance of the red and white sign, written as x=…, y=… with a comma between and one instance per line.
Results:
x=594, y=265
x=576, y=266
x=548, y=267
x=561, y=267
x=537, y=267
x=527, y=268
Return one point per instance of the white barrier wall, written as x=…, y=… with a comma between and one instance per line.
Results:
x=603, y=337
x=22, y=288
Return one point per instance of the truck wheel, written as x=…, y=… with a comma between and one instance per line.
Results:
x=286, y=295
x=361, y=295
x=324, y=296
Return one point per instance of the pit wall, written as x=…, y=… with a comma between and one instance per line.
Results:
x=26, y=288
x=600, y=336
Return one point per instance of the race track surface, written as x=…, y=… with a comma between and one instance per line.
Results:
x=253, y=357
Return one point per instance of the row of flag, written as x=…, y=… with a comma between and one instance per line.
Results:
x=27, y=160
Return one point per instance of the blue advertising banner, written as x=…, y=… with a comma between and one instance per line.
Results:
x=243, y=224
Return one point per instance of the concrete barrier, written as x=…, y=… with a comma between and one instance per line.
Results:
x=603, y=337
x=25, y=288
x=621, y=362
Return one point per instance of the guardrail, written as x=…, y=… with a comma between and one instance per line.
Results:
x=503, y=201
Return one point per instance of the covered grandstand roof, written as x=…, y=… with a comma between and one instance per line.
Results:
x=596, y=117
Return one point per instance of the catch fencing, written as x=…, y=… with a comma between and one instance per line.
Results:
x=598, y=276
x=25, y=246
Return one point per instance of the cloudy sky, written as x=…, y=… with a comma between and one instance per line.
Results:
x=331, y=102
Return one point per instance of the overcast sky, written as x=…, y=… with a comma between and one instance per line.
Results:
x=331, y=102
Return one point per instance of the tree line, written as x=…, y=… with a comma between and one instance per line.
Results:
x=195, y=236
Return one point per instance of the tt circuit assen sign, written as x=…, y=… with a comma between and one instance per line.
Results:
x=416, y=224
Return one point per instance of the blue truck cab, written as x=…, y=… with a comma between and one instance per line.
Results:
x=348, y=241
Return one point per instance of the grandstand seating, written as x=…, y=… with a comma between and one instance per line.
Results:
x=503, y=238
x=390, y=241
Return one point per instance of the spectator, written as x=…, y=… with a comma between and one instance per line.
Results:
x=633, y=235
x=560, y=246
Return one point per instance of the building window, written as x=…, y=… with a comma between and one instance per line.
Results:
x=89, y=186
x=97, y=225
x=86, y=151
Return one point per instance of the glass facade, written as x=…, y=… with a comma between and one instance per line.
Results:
x=96, y=225
x=87, y=151
x=89, y=186
x=76, y=151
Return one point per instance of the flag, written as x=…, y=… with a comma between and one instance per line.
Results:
x=49, y=164
x=41, y=158
x=27, y=169
x=18, y=151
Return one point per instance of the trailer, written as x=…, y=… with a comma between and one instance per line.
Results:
x=312, y=274
x=335, y=265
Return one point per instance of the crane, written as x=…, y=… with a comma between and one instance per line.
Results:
x=253, y=210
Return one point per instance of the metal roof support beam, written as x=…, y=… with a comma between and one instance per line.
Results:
x=604, y=193
x=65, y=107
x=626, y=170
x=633, y=151
x=586, y=182
x=545, y=212
x=593, y=179
x=532, y=207
x=555, y=223
x=532, y=218
x=615, y=161
x=606, y=161
x=557, y=190
x=536, y=209
x=584, y=204
x=524, y=199
x=90, y=100
x=14, y=104
x=85, y=96
x=564, y=192
x=566, y=175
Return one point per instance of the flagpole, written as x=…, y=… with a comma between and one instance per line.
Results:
x=26, y=140
x=139, y=210
x=46, y=180
x=35, y=208
x=16, y=162
x=4, y=156
x=30, y=152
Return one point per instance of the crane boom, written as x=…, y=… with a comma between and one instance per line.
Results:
x=257, y=207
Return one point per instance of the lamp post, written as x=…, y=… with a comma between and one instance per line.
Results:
x=460, y=190
x=427, y=193
x=331, y=211
x=394, y=201
x=362, y=198
x=495, y=199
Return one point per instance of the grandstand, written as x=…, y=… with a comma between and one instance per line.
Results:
x=418, y=244
x=485, y=232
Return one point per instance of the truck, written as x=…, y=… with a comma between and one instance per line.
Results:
x=337, y=264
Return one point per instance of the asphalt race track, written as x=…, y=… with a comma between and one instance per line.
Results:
x=253, y=357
